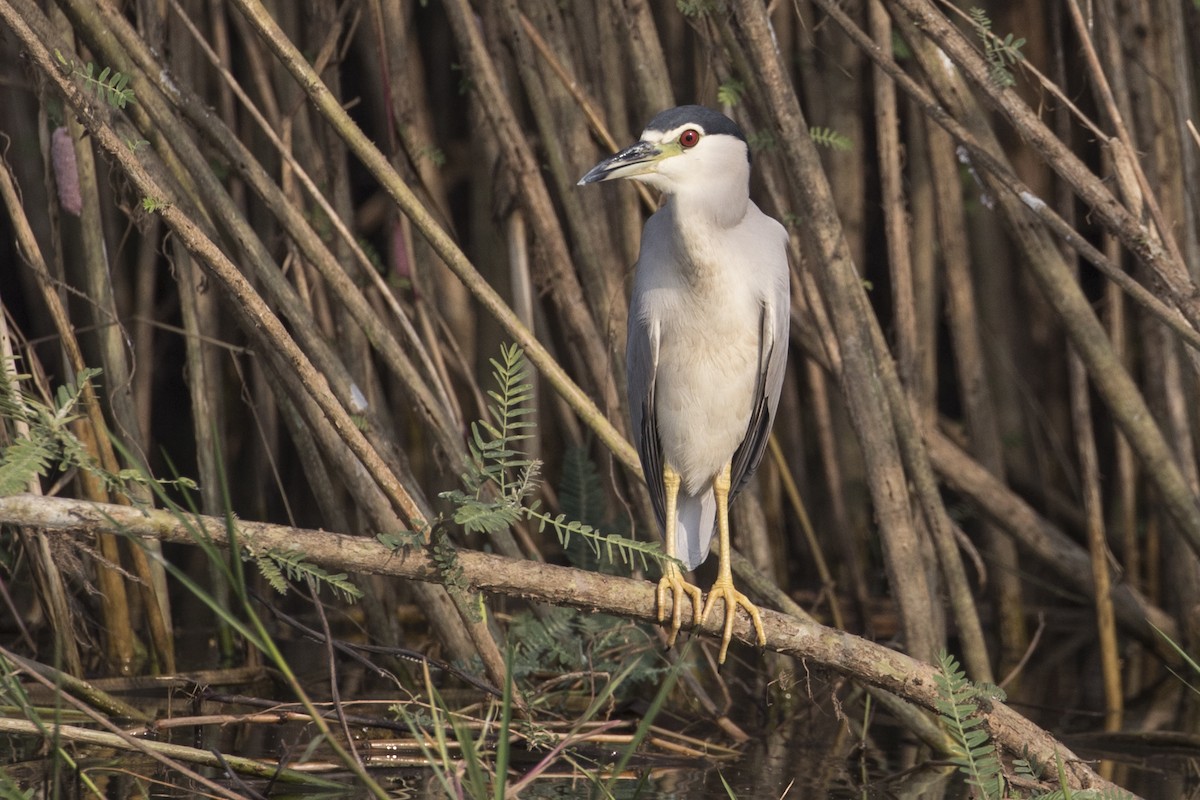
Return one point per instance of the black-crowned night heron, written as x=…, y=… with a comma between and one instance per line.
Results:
x=708, y=339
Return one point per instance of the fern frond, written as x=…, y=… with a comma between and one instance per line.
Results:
x=730, y=92
x=482, y=516
x=974, y=754
x=761, y=141
x=22, y=461
x=565, y=640
x=827, y=137
x=580, y=492
x=628, y=550
x=1028, y=765
x=500, y=483
x=49, y=438
x=980, y=19
x=581, y=496
x=494, y=442
x=528, y=479
x=514, y=394
x=276, y=564
x=445, y=557
x=402, y=540
x=272, y=573
x=1000, y=53
x=109, y=87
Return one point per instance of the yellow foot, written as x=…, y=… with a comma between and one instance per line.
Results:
x=723, y=590
x=672, y=581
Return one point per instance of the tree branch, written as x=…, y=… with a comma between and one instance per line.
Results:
x=842, y=652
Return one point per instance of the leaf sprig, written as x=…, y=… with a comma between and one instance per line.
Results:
x=109, y=86
x=500, y=481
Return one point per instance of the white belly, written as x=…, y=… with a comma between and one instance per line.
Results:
x=701, y=306
x=708, y=365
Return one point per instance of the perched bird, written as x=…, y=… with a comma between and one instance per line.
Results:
x=708, y=340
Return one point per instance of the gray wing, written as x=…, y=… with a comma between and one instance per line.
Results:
x=695, y=521
x=641, y=360
x=772, y=358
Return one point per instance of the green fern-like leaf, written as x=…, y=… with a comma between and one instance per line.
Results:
x=581, y=496
x=826, y=137
x=445, y=556
x=482, y=516
x=400, y=540
x=22, y=461
x=980, y=19
x=1028, y=765
x=974, y=754
x=761, y=141
x=730, y=92
x=109, y=86
x=276, y=564
x=50, y=442
x=495, y=455
x=272, y=573
x=500, y=482
x=1000, y=53
x=49, y=439
x=612, y=546
x=580, y=492
x=694, y=9
x=564, y=640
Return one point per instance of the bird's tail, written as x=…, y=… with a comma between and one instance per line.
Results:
x=696, y=522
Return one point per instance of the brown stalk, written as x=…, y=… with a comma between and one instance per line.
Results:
x=305, y=383
x=440, y=241
x=52, y=586
x=554, y=273
x=982, y=157
x=895, y=219
x=1072, y=307
x=1166, y=264
x=1110, y=656
x=438, y=411
x=1048, y=544
x=564, y=138
x=842, y=291
x=974, y=387
x=265, y=322
x=904, y=305
x=1090, y=474
x=116, y=377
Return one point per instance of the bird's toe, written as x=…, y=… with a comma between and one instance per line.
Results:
x=732, y=598
x=673, y=584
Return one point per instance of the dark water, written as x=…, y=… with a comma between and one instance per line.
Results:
x=812, y=737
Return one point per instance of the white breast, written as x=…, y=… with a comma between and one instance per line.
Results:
x=709, y=317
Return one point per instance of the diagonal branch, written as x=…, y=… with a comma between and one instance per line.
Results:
x=842, y=652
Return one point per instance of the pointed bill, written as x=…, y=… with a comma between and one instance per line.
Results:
x=637, y=159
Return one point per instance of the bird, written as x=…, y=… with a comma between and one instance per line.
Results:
x=707, y=343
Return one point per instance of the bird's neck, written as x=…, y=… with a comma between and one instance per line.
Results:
x=716, y=205
x=700, y=227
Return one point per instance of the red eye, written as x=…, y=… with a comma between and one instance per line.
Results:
x=689, y=138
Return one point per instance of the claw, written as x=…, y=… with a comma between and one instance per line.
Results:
x=723, y=587
x=723, y=590
x=672, y=581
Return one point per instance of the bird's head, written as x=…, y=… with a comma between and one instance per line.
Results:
x=689, y=150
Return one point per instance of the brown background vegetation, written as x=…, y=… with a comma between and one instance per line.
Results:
x=987, y=434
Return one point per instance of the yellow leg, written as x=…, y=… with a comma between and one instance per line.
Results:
x=672, y=580
x=723, y=587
